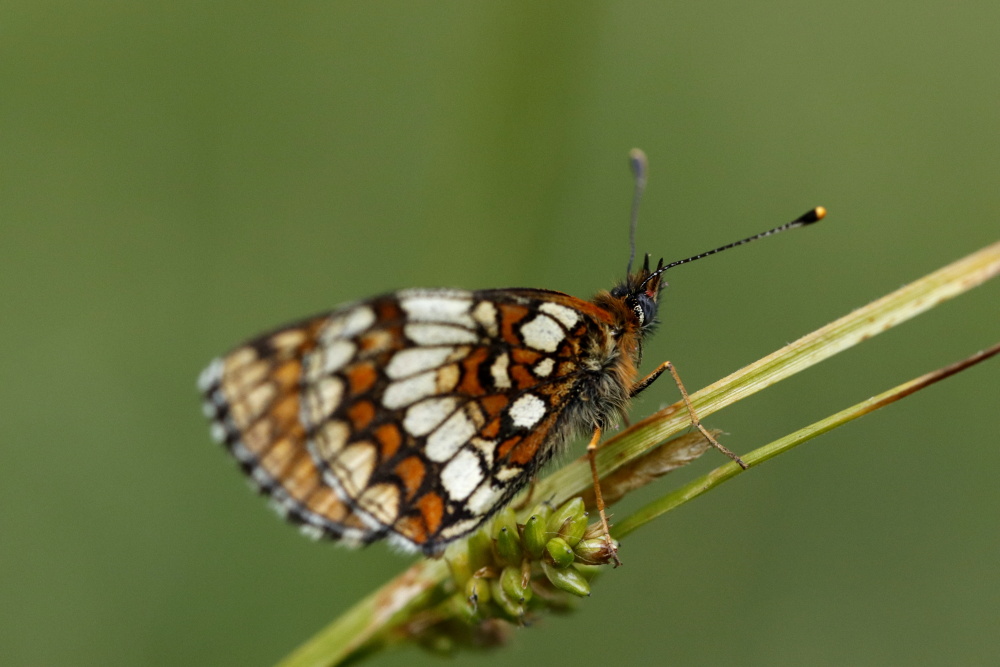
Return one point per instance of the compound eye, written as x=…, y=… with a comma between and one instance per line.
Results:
x=638, y=313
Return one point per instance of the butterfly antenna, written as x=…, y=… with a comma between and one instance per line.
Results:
x=807, y=218
x=640, y=167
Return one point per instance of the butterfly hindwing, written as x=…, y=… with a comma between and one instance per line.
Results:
x=253, y=398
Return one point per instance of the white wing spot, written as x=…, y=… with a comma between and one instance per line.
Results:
x=246, y=377
x=348, y=324
x=402, y=545
x=462, y=475
x=527, y=411
x=242, y=454
x=239, y=358
x=423, y=333
x=329, y=359
x=355, y=465
x=288, y=339
x=401, y=393
x=310, y=531
x=327, y=505
x=415, y=360
x=499, y=372
x=567, y=316
x=357, y=321
x=253, y=404
x=330, y=439
x=375, y=341
x=259, y=436
x=460, y=528
x=279, y=503
x=321, y=399
x=449, y=437
x=210, y=375
x=382, y=502
x=486, y=314
x=447, y=378
x=485, y=497
x=486, y=448
x=544, y=367
x=542, y=333
x=475, y=413
x=218, y=432
x=425, y=416
x=352, y=538
x=433, y=307
x=508, y=473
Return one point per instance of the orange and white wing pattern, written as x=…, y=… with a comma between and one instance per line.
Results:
x=415, y=415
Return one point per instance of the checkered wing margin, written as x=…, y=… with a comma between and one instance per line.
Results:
x=412, y=416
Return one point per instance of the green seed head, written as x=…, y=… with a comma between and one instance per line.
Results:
x=477, y=592
x=511, y=607
x=594, y=551
x=542, y=511
x=568, y=514
x=509, y=545
x=534, y=536
x=559, y=552
x=573, y=528
x=514, y=585
x=480, y=549
x=567, y=579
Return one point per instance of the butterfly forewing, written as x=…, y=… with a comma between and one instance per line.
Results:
x=413, y=415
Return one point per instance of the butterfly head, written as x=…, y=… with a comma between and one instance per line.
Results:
x=639, y=295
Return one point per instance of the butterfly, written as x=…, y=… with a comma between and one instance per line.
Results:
x=415, y=415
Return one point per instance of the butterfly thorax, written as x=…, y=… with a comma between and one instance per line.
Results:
x=612, y=354
x=630, y=315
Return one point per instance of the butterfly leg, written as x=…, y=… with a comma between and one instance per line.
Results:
x=667, y=366
x=598, y=499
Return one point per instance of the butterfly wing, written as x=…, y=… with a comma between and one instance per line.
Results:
x=414, y=415
x=253, y=398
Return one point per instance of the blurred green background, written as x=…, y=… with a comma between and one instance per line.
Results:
x=179, y=176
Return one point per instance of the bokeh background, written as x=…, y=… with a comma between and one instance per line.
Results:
x=179, y=176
